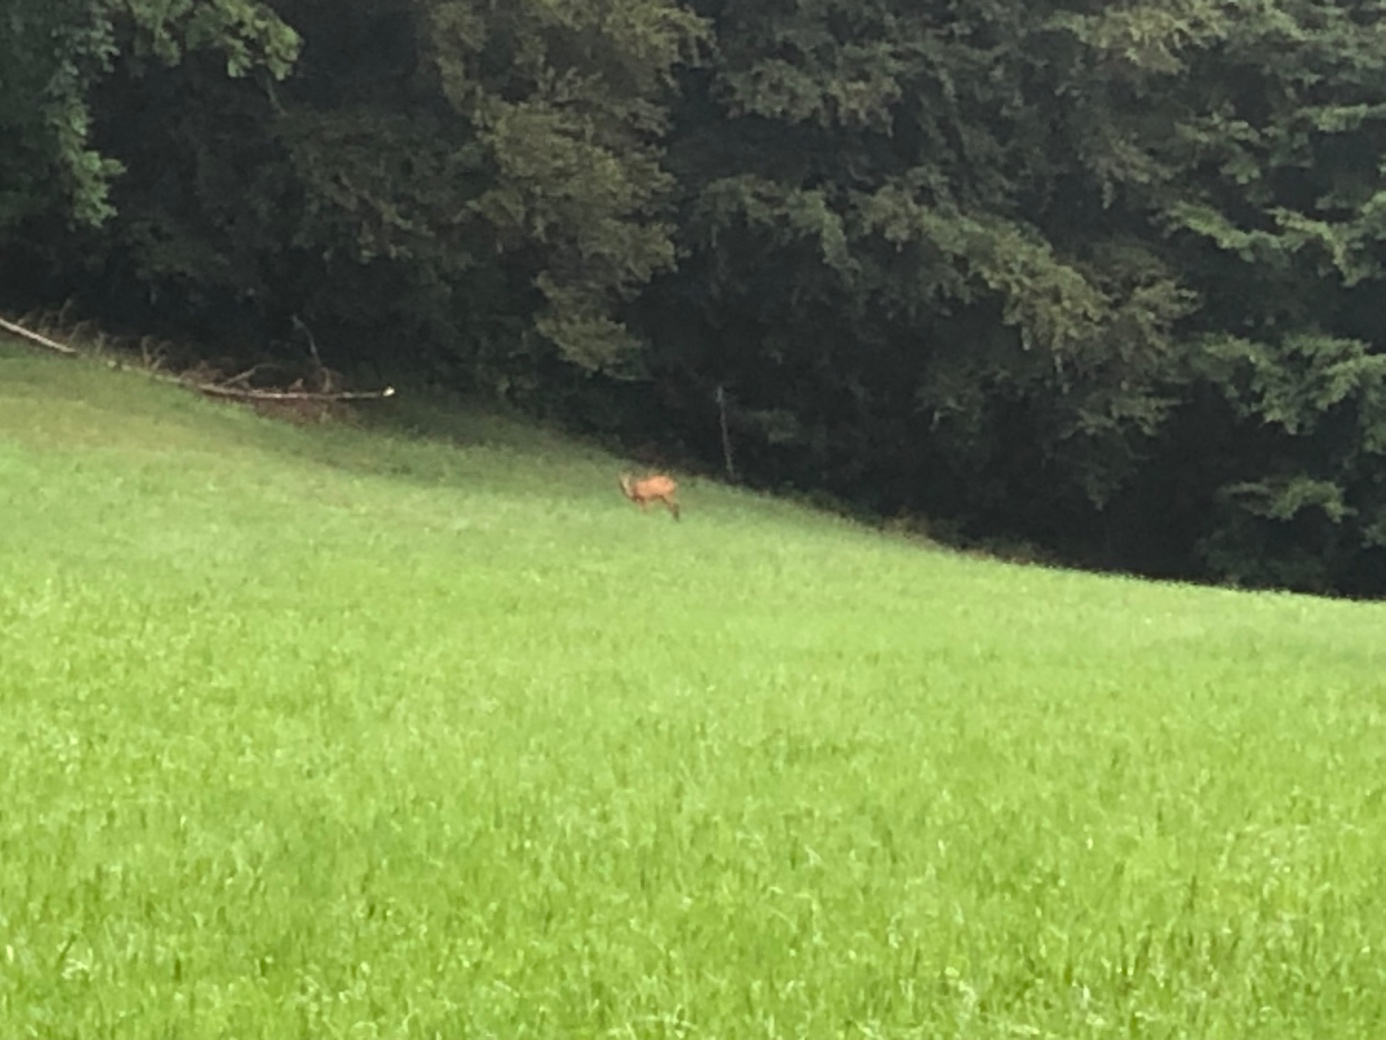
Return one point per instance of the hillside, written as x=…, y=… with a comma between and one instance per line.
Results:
x=416, y=728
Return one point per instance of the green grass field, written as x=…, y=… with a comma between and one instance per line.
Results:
x=344, y=732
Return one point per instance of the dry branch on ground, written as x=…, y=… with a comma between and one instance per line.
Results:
x=34, y=337
x=234, y=388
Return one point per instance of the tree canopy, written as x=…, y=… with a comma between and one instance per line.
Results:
x=1099, y=276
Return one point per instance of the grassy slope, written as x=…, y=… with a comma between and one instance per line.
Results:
x=328, y=732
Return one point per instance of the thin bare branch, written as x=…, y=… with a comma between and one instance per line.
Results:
x=236, y=393
x=34, y=337
x=241, y=379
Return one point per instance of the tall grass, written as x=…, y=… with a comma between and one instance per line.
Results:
x=364, y=732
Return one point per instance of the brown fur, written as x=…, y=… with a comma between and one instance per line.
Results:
x=658, y=488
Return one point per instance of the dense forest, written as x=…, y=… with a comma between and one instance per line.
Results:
x=1103, y=277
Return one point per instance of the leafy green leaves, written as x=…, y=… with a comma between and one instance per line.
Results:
x=54, y=55
x=1069, y=270
x=565, y=100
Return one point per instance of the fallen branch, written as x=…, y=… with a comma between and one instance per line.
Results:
x=34, y=337
x=239, y=394
x=227, y=389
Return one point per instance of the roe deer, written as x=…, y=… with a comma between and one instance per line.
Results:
x=658, y=488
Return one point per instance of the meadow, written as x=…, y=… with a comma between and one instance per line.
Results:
x=415, y=728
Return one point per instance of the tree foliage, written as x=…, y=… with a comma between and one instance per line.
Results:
x=52, y=57
x=1099, y=275
x=1016, y=244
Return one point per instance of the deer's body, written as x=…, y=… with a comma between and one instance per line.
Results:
x=658, y=488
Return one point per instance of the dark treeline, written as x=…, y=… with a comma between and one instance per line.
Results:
x=1101, y=276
